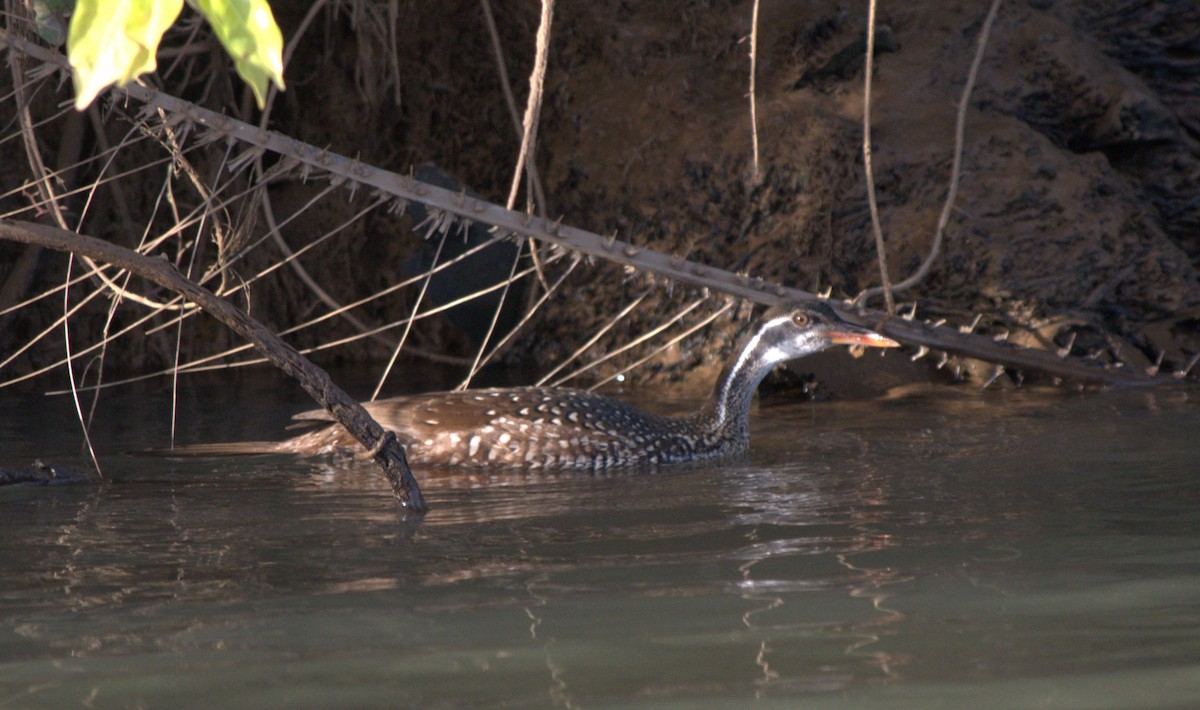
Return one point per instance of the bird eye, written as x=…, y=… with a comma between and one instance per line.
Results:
x=800, y=319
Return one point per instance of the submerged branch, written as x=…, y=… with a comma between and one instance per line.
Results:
x=384, y=447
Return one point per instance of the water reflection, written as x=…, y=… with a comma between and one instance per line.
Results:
x=862, y=550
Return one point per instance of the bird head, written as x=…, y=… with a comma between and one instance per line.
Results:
x=792, y=332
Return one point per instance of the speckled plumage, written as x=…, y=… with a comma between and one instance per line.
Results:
x=527, y=427
x=554, y=428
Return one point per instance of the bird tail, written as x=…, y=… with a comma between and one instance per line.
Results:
x=231, y=448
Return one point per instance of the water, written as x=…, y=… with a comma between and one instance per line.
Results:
x=947, y=550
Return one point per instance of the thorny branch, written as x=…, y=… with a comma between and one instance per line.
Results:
x=507, y=222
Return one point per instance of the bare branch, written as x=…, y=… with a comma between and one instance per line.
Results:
x=383, y=446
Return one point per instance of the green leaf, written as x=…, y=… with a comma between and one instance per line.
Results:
x=113, y=41
x=248, y=31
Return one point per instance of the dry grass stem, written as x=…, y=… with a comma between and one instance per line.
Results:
x=533, y=107
x=960, y=125
x=753, y=93
x=872, y=201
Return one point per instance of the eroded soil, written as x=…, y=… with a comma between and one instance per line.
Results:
x=1077, y=212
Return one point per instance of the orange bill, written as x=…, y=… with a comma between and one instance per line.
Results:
x=853, y=335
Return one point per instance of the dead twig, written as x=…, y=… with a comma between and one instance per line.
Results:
x=384, y=447
x=753, y=97
x=872, y=202
x=531, y=170
x=533, y=107
x=955, y=173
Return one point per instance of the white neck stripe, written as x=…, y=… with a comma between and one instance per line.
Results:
x=740, y=363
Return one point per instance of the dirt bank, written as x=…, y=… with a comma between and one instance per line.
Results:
x=1077, y=214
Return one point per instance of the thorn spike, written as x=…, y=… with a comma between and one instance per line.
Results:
x=1152, y=371
x=1065, y=350
x=921, y=352
x=1180, y=374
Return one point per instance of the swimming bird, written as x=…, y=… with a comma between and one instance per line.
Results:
x=565, y=429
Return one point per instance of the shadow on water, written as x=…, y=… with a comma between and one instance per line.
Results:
x=941, y=549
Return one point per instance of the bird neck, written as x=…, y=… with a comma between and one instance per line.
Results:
x=727, y=411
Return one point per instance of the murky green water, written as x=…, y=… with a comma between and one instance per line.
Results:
x=1004, y=550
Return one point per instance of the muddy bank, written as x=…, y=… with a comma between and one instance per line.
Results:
x=1077, y=214
x=1077, y=207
